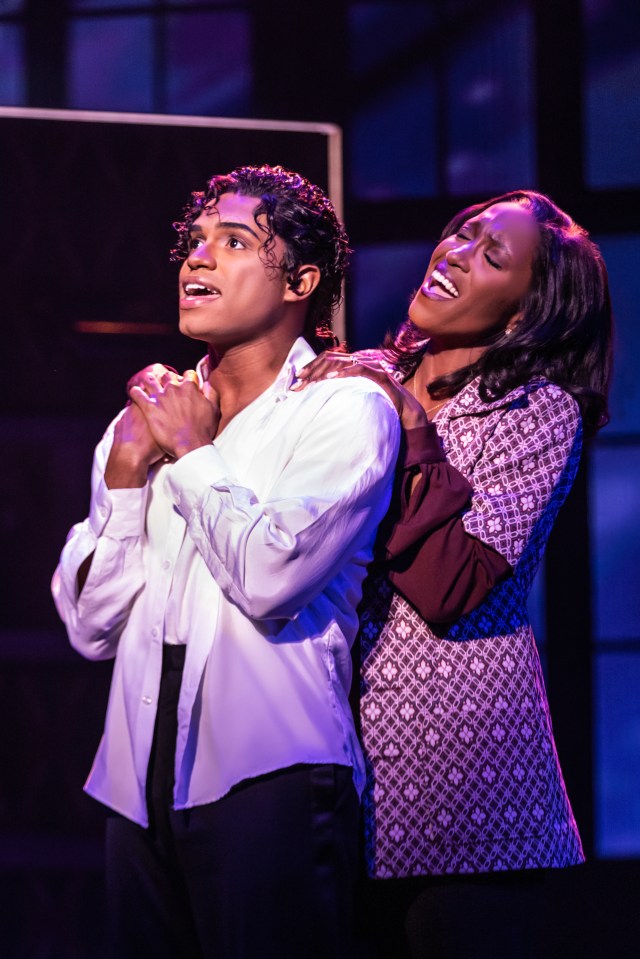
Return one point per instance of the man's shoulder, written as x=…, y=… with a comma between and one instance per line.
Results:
x=348, y=398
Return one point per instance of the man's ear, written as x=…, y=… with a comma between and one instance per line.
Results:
x=302, y=282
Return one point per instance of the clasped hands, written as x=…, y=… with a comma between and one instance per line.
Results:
x=167, y=416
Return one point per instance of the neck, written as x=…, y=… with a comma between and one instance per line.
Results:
x=440, y=362
x=240, y=373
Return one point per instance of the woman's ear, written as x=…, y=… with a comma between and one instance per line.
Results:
x=512, y=323
x=302, y=282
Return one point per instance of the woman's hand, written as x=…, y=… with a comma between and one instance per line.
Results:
x=329, y=365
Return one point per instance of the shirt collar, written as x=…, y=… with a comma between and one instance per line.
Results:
x=299, y=355
x=468, y=400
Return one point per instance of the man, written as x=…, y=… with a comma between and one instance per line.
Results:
x=231, y=523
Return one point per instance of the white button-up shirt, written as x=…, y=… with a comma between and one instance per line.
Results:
x=252, y=551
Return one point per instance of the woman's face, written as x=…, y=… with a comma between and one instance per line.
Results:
x=477, y=278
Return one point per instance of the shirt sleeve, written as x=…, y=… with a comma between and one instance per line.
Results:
x=112, y=535
x=431, y=559
x=455, y=540
x=272, y=556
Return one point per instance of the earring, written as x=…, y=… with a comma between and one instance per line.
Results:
x=508, y=331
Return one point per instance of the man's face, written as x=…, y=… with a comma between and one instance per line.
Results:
x=229, y=294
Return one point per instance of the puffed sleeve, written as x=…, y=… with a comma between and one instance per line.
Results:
x=113, y=536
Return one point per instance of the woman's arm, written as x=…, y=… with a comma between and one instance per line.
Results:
x=431, y=559
x=454, y=540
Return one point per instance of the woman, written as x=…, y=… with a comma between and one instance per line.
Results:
x=501, y=367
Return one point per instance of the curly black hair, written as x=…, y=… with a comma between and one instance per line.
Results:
x=565, y=330
x=302, y=216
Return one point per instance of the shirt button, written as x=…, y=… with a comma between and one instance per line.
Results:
x=166, y=564
x=154, y=631
x=146, y=700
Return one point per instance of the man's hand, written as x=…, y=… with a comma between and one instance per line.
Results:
x=133, y=453
x=134, y=449
x=181, y=416
x=151, y=377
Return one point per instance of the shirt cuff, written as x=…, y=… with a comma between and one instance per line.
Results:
x=421, y=447
x=118, y=513
x=193, y=475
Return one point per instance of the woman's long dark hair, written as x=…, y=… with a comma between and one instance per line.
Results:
x=565, y=329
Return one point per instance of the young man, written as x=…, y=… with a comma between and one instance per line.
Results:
x=231, y=523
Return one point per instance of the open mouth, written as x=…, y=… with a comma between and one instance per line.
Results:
x=199, y=290
x=443, y=284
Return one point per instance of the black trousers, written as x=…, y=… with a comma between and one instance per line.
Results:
x=267, y=871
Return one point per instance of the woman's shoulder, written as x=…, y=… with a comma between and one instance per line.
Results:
x=539, y=395
x=535, y=415
x=551, y=400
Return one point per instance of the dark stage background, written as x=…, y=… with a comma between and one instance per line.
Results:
x=440, y=104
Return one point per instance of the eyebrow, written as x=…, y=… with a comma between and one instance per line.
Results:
x=491, y=237
x=496, y=241
x=227, y=225
x=232, y=225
